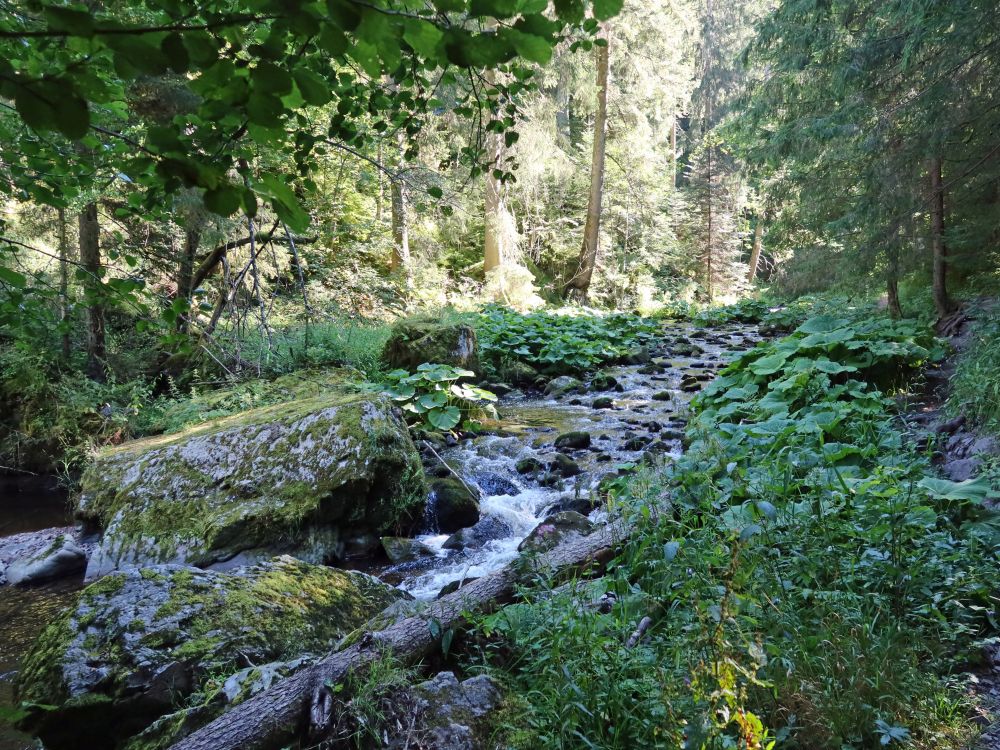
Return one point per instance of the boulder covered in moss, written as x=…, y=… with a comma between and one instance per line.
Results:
x=415, y=341
x=295, y=478
x=451, y=506
x=141, y=644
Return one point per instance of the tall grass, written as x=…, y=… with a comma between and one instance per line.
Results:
x=976, y=383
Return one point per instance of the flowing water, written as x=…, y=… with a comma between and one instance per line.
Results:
x=28, y=504
x=529, y=425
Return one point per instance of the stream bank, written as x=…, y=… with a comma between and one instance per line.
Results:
x=525, y=470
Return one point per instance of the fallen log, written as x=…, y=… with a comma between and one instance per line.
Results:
x=301, y=706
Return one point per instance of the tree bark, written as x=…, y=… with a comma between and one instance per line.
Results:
x=302, y=703
x=940, y=250
x=400, y=220
x=185, y=274
x=494, y=207
x=758, y=233
x=64, y=284
x=90, y=258
x=579, y=285
x=892, y=279
x=673, y=152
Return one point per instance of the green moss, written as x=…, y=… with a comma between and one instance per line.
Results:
x=160, y=495
x=40, y=679
x=108, y=585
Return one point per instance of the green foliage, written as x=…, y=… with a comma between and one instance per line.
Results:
x=976, y=382
x=54, y=420
x=560, y=343
x=433, y=397
x=806, y=582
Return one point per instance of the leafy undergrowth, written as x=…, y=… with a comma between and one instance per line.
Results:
x=810, y=585
x=434, y=398
x=559, y=344
x=976, y=383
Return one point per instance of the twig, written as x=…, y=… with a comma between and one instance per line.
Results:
x=477, y=492
x=639, y=631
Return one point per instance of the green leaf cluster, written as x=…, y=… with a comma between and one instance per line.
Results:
x=434, y=398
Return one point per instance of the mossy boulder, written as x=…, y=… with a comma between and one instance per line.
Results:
x=417, y=340
x=564, y=385
x=295, y=478
x=140, y=644
x=451, y=506
x=555, y=529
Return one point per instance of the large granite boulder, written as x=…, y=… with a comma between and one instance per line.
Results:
x=295, y=477
x=140, y=644
x=418, y=340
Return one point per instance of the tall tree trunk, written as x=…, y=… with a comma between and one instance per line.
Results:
x=940, y=250
x=758, y=233
x=64, y=283
x=380, y=196
x=892, y=279
x=494, y=208
x=579, y=285
x=185, y=273
x=709, y=271
x=400, y=221
x=90, y=258
x=673, y=152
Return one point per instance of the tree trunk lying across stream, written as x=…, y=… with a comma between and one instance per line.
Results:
x=302, y=704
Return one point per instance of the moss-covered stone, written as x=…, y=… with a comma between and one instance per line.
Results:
x=293, y=477
x=415, y=341
x=137, y=644
x=451, y=506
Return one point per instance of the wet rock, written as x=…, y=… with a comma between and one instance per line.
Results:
x=62, y=558
x=653, y=426
x=672, y=434
x=663, y=396
x=529, y=465
x=360, y=545
x=451, y=506
x=573, y=440
x=293, y=477
x=563, y=385
x=582, y=504
x=519, y=373
x=961, y=469
x=494, y=484
x=443, y=713
x=486, y=529
x=603, y=458
x=604, y=381
x=603, y=402
x=500, y=389
x=451, y=588
x=635, y=444
x=637, y=356
x=400, y=549
x=137, y=644
x=32, y=545
x=554, y=529
x=565, y=465
x=419, y=340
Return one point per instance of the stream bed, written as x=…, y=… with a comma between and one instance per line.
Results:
x=647, y=413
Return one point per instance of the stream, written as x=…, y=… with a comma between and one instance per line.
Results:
x=648, y=413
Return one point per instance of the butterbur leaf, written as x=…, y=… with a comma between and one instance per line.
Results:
x=444, y=419
x=972, y=490
x=749, y=531
x=767, y=510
